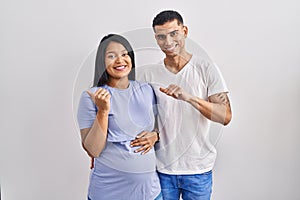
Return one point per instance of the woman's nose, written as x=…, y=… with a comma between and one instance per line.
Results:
x=119, y=59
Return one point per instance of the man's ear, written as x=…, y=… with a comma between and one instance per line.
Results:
x=185, y=31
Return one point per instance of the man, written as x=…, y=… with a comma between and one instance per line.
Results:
x=190, y=93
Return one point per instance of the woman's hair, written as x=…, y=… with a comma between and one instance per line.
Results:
x=101, y=75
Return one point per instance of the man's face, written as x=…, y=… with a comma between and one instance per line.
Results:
x=171, y=37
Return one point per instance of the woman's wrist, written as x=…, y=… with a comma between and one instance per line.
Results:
x=102, y=113
x=157, y=134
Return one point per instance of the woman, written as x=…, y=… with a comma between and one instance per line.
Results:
x=110, y=115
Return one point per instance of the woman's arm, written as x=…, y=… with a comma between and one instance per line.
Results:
x=94, y=138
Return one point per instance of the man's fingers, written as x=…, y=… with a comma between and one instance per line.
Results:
x=169, y=90
x=172, y=90
x=164, y=90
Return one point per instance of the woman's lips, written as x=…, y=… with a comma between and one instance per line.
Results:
x=120, y=68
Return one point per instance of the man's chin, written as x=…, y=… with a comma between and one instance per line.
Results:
x=171, y=54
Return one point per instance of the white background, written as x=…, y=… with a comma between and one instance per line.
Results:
x=43, y=44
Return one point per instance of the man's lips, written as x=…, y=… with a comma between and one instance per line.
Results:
x=171, y=49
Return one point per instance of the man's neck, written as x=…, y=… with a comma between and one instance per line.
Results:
x=176, y=63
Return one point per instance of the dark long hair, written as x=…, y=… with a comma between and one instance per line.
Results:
x=101, y=75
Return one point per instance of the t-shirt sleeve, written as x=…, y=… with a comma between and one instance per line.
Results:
x=215, y=81
x=87, y=111
x=149, y=93
x=140, y=74
x=154, y=102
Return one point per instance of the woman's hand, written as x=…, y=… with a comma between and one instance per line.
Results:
x=146, y=140
x=102, y=99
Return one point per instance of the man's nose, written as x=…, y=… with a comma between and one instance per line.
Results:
x=169, y=40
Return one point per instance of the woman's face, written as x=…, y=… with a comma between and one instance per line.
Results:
x=117, y=61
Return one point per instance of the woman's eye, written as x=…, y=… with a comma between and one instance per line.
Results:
x=111, y=56
x=124, y=54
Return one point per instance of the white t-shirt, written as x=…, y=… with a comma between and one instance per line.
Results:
x=185, y=146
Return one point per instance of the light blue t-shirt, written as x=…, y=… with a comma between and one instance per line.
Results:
x=119, y=173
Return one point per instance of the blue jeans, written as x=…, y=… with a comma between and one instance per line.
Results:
x=191, y=187
x=159, y=197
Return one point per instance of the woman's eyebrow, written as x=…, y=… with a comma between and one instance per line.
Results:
x=116, y=52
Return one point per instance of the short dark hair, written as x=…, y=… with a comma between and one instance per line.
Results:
x=166, y=16
x=101, y=75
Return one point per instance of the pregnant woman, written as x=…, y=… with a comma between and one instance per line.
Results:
x=110, y=115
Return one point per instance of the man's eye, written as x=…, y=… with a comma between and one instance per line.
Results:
x=161, y=37
x=173, y=34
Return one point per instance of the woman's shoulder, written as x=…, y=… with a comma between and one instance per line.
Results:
x=143, y=87
x=95, y=88
x=141, y=84
x=91, y=90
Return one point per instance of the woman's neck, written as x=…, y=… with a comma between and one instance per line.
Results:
x=118, y=83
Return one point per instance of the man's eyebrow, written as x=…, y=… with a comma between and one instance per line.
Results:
x=159, y=33
x=174, y=31
x=167, y=32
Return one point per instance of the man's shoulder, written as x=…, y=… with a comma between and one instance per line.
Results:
x=149, y=68
x=152, y=66
x=200, y=61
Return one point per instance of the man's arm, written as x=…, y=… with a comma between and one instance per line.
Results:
x=217, y=108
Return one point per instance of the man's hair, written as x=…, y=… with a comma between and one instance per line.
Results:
x=166, y=16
